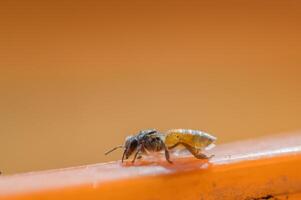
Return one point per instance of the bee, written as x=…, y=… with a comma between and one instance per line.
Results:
x=151, y=140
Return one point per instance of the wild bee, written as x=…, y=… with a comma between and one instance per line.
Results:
x=151, y=140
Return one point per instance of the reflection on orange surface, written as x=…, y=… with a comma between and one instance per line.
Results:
x=77, y=77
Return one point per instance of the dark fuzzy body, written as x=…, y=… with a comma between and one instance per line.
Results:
x=151, y=140
x=145, y=141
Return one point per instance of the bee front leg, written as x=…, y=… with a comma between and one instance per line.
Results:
x=123, y=155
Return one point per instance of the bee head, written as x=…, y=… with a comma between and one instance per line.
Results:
x=131, y=144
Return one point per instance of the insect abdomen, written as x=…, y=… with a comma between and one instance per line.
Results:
x=194, y=138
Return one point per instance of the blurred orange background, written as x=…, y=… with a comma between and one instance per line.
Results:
x=76, y=77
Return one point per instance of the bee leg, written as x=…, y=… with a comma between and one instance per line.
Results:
x=166, y=154
x=136, y=154
x=123, y=155
x=142, y=152
x=195, y=152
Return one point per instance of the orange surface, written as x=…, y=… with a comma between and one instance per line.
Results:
x=241, y=170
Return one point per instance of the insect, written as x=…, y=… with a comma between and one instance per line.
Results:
x=151, y=140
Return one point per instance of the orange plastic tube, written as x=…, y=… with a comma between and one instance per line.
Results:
x=264, y=168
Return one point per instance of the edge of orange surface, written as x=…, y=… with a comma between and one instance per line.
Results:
x=262, y=168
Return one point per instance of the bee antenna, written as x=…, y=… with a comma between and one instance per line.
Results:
x=120, y=146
